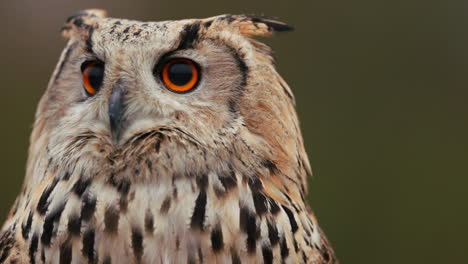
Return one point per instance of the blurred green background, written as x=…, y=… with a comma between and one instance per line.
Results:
x=381, y=91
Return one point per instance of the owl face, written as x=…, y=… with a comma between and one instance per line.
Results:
x=127, y=77
x=204, y=80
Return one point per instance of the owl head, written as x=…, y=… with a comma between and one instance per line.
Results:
x=205, y=82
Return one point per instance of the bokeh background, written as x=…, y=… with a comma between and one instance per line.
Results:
x=381, y=91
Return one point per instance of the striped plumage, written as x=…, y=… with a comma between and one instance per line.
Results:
x=217, y=175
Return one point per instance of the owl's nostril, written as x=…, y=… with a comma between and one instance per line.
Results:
x=116, y=110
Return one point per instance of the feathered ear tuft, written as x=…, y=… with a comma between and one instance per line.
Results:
x=82, y=21
x=251, y=25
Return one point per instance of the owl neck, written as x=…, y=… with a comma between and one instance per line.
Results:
x=160, y=158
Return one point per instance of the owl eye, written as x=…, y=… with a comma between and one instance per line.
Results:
x=180, y=75
x=93, y=74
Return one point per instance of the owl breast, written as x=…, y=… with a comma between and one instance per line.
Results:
x=148, y=210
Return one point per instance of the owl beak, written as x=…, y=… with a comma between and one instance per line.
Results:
x=117, y=110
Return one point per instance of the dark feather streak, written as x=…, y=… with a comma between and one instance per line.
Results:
x=88, y=244
x=43, y=204
x=189, y=36
x=292, y=220
x=51, y=219
x=217, y=242
x=198, y=217
x=137, y=243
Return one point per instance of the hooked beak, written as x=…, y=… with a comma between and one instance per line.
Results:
x=117, y=110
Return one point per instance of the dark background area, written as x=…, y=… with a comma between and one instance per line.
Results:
x=382, y=95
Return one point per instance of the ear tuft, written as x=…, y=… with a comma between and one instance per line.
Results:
x=83, y=20
x=272, y=23
x=252, y=25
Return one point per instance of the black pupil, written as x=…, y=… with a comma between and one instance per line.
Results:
x=95, y=75
x=180, y=73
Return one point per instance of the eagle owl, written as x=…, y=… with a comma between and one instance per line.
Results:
x=165, y=142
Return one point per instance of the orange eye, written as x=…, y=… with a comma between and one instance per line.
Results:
x=180, y=75
x=93, y=75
